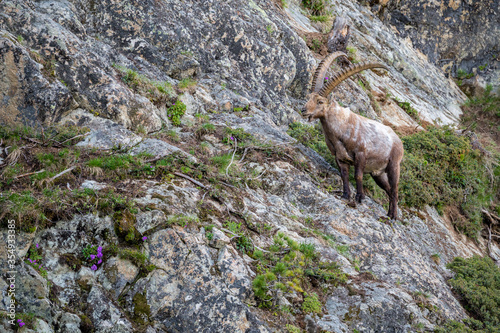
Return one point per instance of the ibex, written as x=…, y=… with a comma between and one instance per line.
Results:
x=355, y=140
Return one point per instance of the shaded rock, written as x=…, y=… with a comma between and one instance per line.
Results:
x=69, y=323
x=117, y=274
x=105, y=316
x=148, y=220
x=219, y=239
x=32, y=294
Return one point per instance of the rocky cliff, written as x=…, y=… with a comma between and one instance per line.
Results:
x=455, y=35
x=181, y=185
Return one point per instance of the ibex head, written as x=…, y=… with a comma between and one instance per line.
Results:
x=316, y=106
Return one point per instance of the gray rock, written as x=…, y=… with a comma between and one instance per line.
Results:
x=118, y=273
x=157, y=148
x=148, y=220
x=69, y=323
x=42, y=327
x=105, y=316
x=93, y=185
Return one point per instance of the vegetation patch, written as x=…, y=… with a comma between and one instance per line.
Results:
x=288, y=267
x=176, y=111
x=158, y=92
x=482, y=114
x=317, y=7
x=477, y=281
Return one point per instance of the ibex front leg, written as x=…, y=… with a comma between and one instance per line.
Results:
x=359, y=168
x=344, y=174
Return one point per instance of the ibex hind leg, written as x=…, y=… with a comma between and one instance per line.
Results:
x=383, y=182
x=393, y=176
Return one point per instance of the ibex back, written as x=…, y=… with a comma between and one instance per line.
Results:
x=355, y=140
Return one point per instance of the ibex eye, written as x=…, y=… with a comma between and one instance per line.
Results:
x=320, y=102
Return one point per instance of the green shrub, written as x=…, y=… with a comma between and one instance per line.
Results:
x=317, y=7
x=289, y=267
x=175, y=112
x=478, y=282
x=439, y=169
x=488, y=102
x=312, y=304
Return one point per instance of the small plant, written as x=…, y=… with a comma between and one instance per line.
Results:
x=317, y=7
x=319, y=18
x=462, y=74
x=93, y=255
x=287, y=267
x=406, y=106
x=477, y=281
x=186, y=83
x=316, y=44
x=436, y=258
x=293, y=329
x=269, y=29
x=312, y=304
x=175, y=112
x=483, y=67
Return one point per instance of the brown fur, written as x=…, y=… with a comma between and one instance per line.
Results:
x=369, y=146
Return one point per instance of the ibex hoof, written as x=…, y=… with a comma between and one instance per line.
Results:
x=345, y=196
x=359, y=198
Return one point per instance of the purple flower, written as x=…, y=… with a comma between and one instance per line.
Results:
x=99, y=262
x=144, y=238
x=99, y=255
x=21, y=324
x=94, y=268
x=92, y=256
x=232, y=138
x=19, y=320
x=99, y=249
x=326, y=78
x=37, y=246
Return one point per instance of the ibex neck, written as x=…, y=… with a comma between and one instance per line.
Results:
x=336, y=120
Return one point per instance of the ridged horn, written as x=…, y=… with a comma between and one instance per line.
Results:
x=323, y=66
x=346, y=73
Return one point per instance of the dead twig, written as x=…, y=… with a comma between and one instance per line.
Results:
x=244, y=154
x=61, y=173
x=76, y=136
x=29, y=174
x=492, y=217
x=190, y=179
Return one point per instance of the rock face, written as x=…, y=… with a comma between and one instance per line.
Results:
x=453, y=34
x=60, y=56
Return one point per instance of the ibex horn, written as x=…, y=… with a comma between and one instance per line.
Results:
x=346, y=73
x=320, y=73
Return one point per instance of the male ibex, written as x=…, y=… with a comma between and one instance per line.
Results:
x=355, y=140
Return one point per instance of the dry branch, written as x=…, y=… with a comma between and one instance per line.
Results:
x=190, y=179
